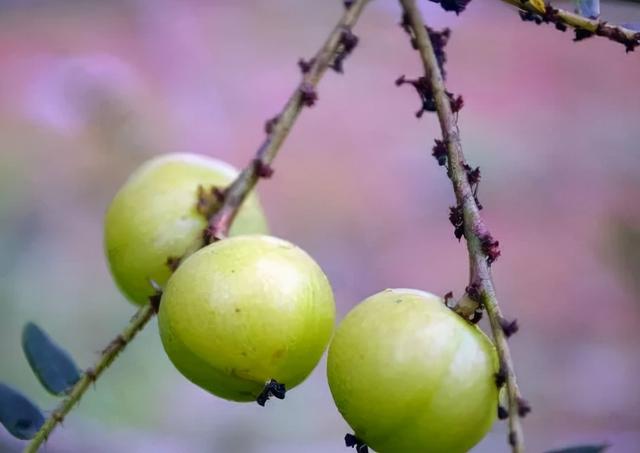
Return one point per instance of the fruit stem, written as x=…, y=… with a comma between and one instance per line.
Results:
x=475, y=231
x=107, y=356
x=278, y=128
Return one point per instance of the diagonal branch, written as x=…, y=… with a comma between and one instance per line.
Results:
x=482, y=249
x=539, y=12
x=340, y=43
x=108, y=355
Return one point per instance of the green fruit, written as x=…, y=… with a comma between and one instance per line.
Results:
x=409, y=375
x=153, y=218
x=245, y=310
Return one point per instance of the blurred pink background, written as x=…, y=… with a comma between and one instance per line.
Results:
x=88, y=90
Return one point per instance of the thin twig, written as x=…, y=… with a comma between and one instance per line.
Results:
x=338, y=45
x=108, y=355
x=278, y=128
x=475, y=231
x=584, y=27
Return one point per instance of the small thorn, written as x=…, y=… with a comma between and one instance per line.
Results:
x=509, y=327
x=263, y=170
x=91, y=374
x=523, y=407
x=271, y=124
x=305, y=66
x=309, y=94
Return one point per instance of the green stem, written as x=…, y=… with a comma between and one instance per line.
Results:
x=282, y=124
x=108, y=355
x=474, y=227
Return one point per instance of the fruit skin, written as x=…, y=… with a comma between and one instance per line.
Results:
x=244, y=310
x=410, y=375
x=153, y=217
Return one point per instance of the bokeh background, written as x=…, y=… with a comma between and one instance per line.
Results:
x=90, y=89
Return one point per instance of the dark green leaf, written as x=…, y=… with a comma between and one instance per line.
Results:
x=18, y=414
x=582, y=449
x=50, y=363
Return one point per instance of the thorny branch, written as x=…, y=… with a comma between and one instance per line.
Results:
x=340, y=43
x=482, y=247
x=541, y=12
x=108, y=355
x=226, y=203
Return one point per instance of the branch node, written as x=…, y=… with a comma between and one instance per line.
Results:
x=523, y=407
x=306, y=65
x=456, y=218
x=262, y=169
x=439, y=151
x=91, y=374
x=57, y=416
x=270, y=124
x=209, y=200
x=509, y=327
x=490, y=247
x=309, y=96
x=348, y=42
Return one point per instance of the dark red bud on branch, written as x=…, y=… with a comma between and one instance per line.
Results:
x=456, y=218
x=309, y=94
x=263, y=170
x=271, y=124
x=523, y=407
x=439, y=151
x=509, y=327
x=305, y=66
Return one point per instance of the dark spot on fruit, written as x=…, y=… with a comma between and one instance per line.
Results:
x=237, y=310
x=397, y=301
x=278, y=354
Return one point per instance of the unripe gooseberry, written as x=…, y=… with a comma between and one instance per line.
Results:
x=243, y=311
x=154, y=218
x=409, y=375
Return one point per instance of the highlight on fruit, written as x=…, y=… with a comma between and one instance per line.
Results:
x=247, y=317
